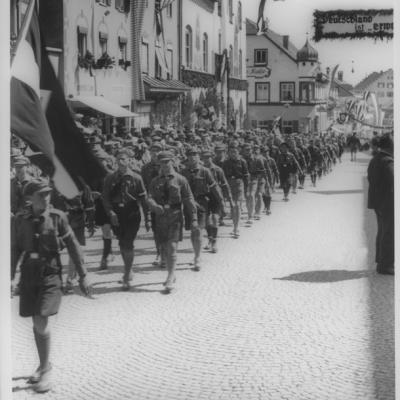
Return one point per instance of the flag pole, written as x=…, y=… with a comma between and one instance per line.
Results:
x=23, y=28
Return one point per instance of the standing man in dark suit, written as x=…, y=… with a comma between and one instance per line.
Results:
x=381, y=200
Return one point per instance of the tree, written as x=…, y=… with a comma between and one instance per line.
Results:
x=187, y=110
x=241, y=114
x=165, y=112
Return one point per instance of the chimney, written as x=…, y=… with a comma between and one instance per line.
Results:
x=340, y=76
x=286, y=42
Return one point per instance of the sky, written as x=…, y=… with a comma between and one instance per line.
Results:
x=295, y=18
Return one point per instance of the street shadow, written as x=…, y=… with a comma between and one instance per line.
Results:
x=116, y=289
x=381, y=311
x=19, y=388
x=326, y=276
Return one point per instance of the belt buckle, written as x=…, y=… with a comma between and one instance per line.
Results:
x=34, y=256
x=121, y=205
x=167, y=206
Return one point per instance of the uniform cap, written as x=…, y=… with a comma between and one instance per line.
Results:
x=21, y=160
x=219, y=148
x=193, y=150
x=157, y=145
x=208, y=153
x=247, y=147
x=36, y=185
x=165, y=155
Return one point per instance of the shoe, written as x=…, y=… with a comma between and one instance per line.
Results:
x=103, y=264
x=68, y=287
x=126, y=286
x=35, y=377
x=156, y=261
x=209, y=246
x=169, y=286
x=256, y=217
x=294, y=192
x=122, y=279
x=163, y=264
x=110, y=257
x=197, y=265
x=249, y=222
x=165, y=283
x=301, y=187
x=221, y=223
x=44, y=383
x=214, y=248
x=386, y=271
x=236, y=235
x=232, y=233
x=268, y=212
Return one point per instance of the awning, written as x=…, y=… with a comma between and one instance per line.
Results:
x=161, y=85
x=161, y=61
x=101, y=104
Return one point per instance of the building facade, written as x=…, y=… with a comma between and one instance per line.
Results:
x=279, y=74
x=213, y=57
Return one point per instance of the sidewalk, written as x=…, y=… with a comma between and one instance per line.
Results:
x=292, y=310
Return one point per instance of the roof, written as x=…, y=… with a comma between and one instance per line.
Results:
x=207, y=5
x=291, y=51
x=307, y=53
x=341, y=82
x=164, y=85
x=99, y=103
x=366, y=82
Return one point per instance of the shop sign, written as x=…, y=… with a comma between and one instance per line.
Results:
x=258, y=72
x=353, y=24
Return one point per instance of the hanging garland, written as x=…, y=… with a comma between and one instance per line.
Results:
x=349, y=16
x=238, y=84
x=197, y=79
x=372, y=126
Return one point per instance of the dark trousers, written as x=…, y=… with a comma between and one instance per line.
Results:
x=384, y=256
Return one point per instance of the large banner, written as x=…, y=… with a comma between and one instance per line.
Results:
x=353, y=24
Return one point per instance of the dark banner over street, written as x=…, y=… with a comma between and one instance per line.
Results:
x=353, y=24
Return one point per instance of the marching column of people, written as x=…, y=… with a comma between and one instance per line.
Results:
x=175, y=179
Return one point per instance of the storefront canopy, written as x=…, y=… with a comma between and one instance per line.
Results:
x=160, y=85
x=102, y=105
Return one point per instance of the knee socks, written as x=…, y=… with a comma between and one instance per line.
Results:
x=106, y=247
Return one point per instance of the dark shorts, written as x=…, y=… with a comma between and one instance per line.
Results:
x=100, y=216
x=353, y=148
x=286, y=179
x=237, y=188
x=80, y=235
x=40, y=288
x=313, y=167
x=214, y=207
x=202, y=211
x=129, y=223
x=169, y=226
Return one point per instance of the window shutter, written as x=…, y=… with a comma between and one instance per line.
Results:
x=295, y=126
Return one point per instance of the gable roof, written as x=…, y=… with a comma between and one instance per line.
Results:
x=207, y=5
x=275, y=38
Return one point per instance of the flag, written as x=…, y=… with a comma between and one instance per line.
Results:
x=331, y=78
x=375, y=104
x=208, y=114
x=49, y=127
x=138, y=8
x=261, y=25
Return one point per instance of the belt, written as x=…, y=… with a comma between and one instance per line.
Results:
x=234, y=177
x=175, y=206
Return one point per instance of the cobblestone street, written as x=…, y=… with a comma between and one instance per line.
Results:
x=294, y=309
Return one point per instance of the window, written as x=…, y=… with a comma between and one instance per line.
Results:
x=262, y=92
x=240, y=64
x=220, y=8
x=306, y=91
x=263, y=123
x=287, y=126
x=389, y=94
x=254, y=123
x=105, y=2
x=122, y=5
x=122, y=48
x=287, y=91
x=170, y=60
x=169, y=10
x=381, y=94
x=103, y=36
x=230, y=59
x=260, y=57
x=82, y=40
x=381, y=85
x=230, y=11
x=390, y=85
x=205, y=52
x=145, y=58
x=188, y=47
x=219, y=42
x=157, y=68
x=240, y=14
